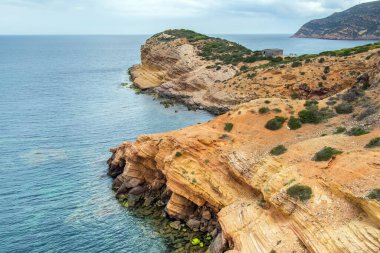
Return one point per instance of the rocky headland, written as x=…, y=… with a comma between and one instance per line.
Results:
x=216, y=75
x=361, y=22
x=288, y=167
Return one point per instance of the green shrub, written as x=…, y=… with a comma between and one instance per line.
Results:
x=228, y=127
x=267, y=101
x=277, y=110
x=313, y=115
x=352, y=51
x=228, y=52
x=195, y=241
x=311, y=103
x=296, y=64
x=252, y=75
x=374, y=194
x=340, y=130
x=321, y=60
x=326, y=70
x=191, y=36
x=301, y=192
x=279, y=150
x=357, y=131
x=344, y=108
x=295, y=95
x=244, y=68
x=263, y=110
x=178, y=154
x=374, y=143
x=326, y=154
x=275, y=123
x=294, y=123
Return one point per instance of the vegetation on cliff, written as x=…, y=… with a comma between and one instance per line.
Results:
x=215, y=49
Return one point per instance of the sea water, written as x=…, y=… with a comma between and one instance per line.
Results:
x=61, y=108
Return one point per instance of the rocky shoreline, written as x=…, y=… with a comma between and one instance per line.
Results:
x=187, y=227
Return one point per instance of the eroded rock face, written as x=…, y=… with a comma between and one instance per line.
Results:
x=174, y=70
x=228, y=185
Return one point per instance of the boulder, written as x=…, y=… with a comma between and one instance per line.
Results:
x=206, y=215
x=219, y=244
x=193, y=224
x=133, y=182
x=175, y=224
x=138, y=190
x=132, y=200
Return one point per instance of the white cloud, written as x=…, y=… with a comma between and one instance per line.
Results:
x=189, y=8
x=160, y=8
x=150, y=16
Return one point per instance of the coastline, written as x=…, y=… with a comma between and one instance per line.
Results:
x=180, y=172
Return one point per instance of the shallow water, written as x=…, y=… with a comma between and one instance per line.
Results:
x=61, y=108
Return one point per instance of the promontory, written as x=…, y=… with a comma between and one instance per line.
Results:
x=361, y=22
x=291, y=165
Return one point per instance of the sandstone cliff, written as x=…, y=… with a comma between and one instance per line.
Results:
x=361, y=22
x=224, y=177
x=216, y=75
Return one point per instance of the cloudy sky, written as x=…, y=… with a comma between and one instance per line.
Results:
x=151, y=16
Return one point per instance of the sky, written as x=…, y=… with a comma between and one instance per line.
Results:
x=152, y=16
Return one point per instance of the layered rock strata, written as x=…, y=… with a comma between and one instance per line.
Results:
x=221, y=178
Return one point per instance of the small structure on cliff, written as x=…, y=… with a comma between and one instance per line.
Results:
x=275, y=52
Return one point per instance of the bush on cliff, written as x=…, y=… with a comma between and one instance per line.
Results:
x=228, y=127
x=191, y=36
x=340, y=130
x=374, y=143
x=357, y=131
x=279, y=150
x=263, y=110
x=326, y=154
x=275, y=123
x=312, y=114
x=301, y=192
x=309, y=103
x=374, y=194
x=225, y=51
x=344, y=108
x=294, y=123
x=296, y=64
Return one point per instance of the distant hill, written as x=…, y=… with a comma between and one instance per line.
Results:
x=361, y=22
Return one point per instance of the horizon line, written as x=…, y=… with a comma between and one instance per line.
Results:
x=132, y=34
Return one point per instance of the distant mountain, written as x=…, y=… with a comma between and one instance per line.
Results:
x=361, y=22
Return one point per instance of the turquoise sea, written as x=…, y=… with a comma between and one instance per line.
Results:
x=61, y=108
